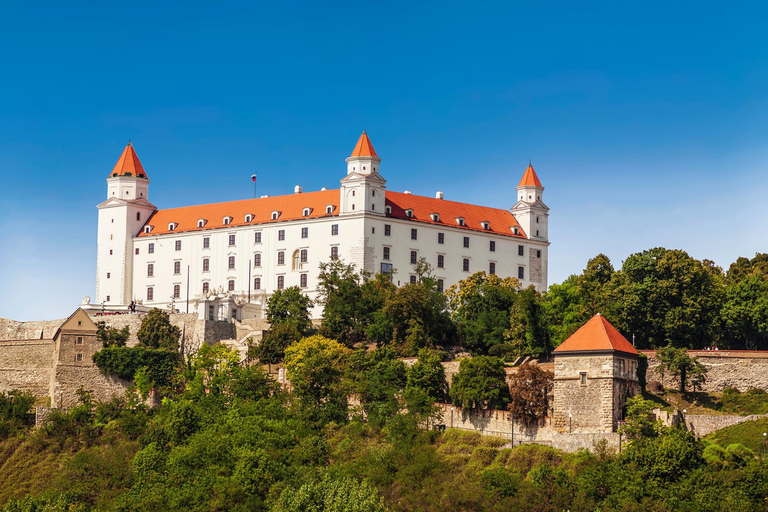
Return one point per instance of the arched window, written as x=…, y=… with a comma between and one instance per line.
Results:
x=296, y=261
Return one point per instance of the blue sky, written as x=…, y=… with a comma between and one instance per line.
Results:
x=646, y=122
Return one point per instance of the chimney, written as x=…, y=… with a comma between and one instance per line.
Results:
x=297, y=189
x=439, y=195
x=323, y=189
x=407, y=192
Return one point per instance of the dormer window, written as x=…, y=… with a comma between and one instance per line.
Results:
x=435, y=217
x=227, y=221
x=486, y=225
x=172, y=226
x=388, y=210
x=201, y=223
x=329, y=209
x=248, y=218
x=147, y=229
x=460, y=221
x=516, y=230
x=275, y=215
x=306, y=212
x=409, y=213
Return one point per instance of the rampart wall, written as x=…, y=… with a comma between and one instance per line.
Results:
x=740, y=369
x=26, y=365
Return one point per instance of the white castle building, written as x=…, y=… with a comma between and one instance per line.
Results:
x=223, y=260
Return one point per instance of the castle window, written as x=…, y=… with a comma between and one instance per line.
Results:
x=150, y=293
x=516, y=230
x=441, y=238
x=206, y=242
x=414, y=234
x=387, y=230
x=520, y=250
x=110, y=252
x=334, y=252
x=334, y=229
x=257, y=237
x=176, y=291
x=275, y=215
x=460, y=221
x=178, y=245
x=329, y=209
x=171, y=226
x=248, y=218
x=353, y=193
x=177, y=267
x=304, y=256
x=206, y=264
x=486, y=225
x=306, y=212
x=304, y=232
x=373, y=206
x=388, y=210
x=414, y=257
x=521, y=272
x=440, y=261
x=538, y=254
x=493, y=246
x=465, y=265
x=386, y=253
x=280, y=282
x=108, y=275
x=138, y=215
x=231, y=240
x=107, y=298
x=373, y=193
x=281, y=234
x=257, y=259
x=231, y=262
x=537, y=220
x=231, y=285
x=296, y=264
x=257, y=283
x=147, y=229
x=227, y=221
x=78, y=357
x=466, y=241
x=537, y=232
x=492, y=268
x=200, y=223
x=206, y=287
x=353, y=207
x=137, y=251
x=409, y=213
x=440, y=285
x=435, y=217
x=79, y=340
x=303, y=281
x=281, y=258
x=583, y=378
x=413, y=279
x=150, y=269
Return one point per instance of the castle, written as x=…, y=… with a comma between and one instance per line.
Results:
x=223, y=260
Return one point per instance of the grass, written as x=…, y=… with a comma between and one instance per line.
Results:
x=748, y=433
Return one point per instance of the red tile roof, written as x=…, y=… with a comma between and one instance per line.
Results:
x=364, y=147
x=291, y=207
x=501, y=222
x=529, y=178
x=128, y=164
x=596, y=334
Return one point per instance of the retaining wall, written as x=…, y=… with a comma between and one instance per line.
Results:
x=740, y=369
x=26, y=365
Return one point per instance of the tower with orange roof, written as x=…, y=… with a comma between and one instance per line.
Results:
x=363, y=189
x=595, y=373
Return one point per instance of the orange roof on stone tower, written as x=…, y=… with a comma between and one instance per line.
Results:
x=529, y=178
x=364, y=147
x=596, y=335
x=128, y=164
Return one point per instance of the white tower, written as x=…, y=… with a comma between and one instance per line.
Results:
x=530, y=211
x=121, y=217
x=362, y=189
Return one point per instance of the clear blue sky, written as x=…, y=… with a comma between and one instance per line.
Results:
x=647, y=122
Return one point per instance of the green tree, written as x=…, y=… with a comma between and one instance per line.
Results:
x=110, y=336
x=428, y=374
x=563, y=309
x=315, y=367
x=640, y=421
x=745, y=313
x=530, y=387
x=271, y=348
x=594, y=283
x=480, y=307
x=744, y=267
x=378, y=379
x=158, y=332
x=528, y=333
x=481, y=382
x=331, y=495
x=290, y=307
x=681, y=366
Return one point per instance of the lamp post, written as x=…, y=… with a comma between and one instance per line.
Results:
x=512, y=435
x=685, y=411
x=451, y=416
x=764, y=434
x=570, y=423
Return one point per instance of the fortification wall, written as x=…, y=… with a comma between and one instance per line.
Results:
x=70, y=378
x=13, y=330
x=740, y=369
x=703, y=424
x=26, y=365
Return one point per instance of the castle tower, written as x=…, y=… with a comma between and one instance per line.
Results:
x=121, y=217
x=595, y=373
x=362, y=189
x=530, y=211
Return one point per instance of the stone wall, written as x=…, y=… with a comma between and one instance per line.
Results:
x=587, y=441
x=704, y=424
x=13, y=330
x=26, y=365
x=584, y=407
x=494, y=423
x=740, y=369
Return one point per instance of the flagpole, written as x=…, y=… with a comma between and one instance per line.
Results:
x=253, y=179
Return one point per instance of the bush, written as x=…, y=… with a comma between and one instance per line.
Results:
x=125, y=363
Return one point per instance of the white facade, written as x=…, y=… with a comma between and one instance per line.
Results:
x=190, y=257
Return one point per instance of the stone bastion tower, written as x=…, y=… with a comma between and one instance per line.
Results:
x=595, y=373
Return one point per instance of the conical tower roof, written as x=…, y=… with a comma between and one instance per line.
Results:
x=364, y=147
x=597, y=335
x=529, y=178
x=128, y=164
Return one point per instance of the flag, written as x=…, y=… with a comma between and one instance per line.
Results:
x=253, y=177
